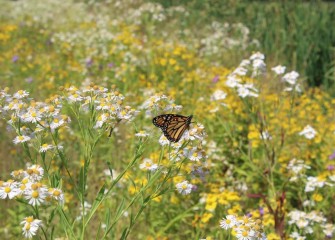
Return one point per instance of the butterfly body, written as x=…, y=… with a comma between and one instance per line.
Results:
x=172, y=125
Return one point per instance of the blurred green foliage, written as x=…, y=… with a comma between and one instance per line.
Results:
x=300, y=34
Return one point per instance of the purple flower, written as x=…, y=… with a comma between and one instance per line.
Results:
x=15, y=58
x=332, y=156
x=29, y=79
x=194, y=187
x=110, y=65
x=215, y=79
x=249, y=214
x=330, y=167
x=261, y=211
x=89, y=62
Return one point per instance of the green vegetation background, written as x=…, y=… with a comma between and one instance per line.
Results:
x=299, y=34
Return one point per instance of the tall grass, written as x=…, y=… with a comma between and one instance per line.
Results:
x=300, y=34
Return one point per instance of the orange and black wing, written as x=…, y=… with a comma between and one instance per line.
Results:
x=176, y=127
x=160, y=120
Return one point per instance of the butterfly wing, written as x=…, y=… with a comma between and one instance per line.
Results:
x=175, y=128
x=160, y=120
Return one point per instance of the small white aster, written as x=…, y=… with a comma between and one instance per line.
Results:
x=45, y=147
x=36, y=194
x=20, y=94
x=30, y=226
x=142, y=134
x=218, y=95
x=148, y=164
x=308, y=132
x=21, y=139
x=163, y=141
x=291, y=77
x=279, y=69
x=9, y=190
x=184, y=187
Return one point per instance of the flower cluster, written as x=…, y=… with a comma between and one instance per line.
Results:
x=305, y=223
x=238, y=78
x=107, y=104
x=31, y=119
x=27, y=186
x=159, y=103
x=296, y=169
x=30, y=226
x=244, y=227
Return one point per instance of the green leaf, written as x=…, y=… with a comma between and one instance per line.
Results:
x=65, y=222
x=99, y=198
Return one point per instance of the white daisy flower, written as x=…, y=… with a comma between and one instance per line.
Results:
x=265, y=135
x=142, y=134
x=56, y=123
x=75, y=97
x=328, y=230
x=247, y=90
x=9, y=190
x=232, y=81
x=218, y=95
x=163, y=141
x=291, y=77
x=194, y=154
x=314, y=182
x=21, y=139
x=35, y=194
x=229, y=222
x=257, y=55
x=18, y=174
x=147, y=164
x=308, y=132
x=101, y=120
x=45, y=147
x=30, y=226
x=31, y=116
x=184, y=187
x=56, y=194
x=173, y=108
x=259, y=67
x=279, y=69
x=34, y=173
x=241, y=71
x=20, y=94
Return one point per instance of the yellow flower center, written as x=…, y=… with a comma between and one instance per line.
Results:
x=8, y=189
x=147, y=164
x=27, y=226
x=56, y=193
x=35, y=194
x=29, y=219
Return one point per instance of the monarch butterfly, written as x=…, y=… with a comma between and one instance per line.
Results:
x=172, y=125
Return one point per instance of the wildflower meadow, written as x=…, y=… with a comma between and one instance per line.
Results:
x=140, y=119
